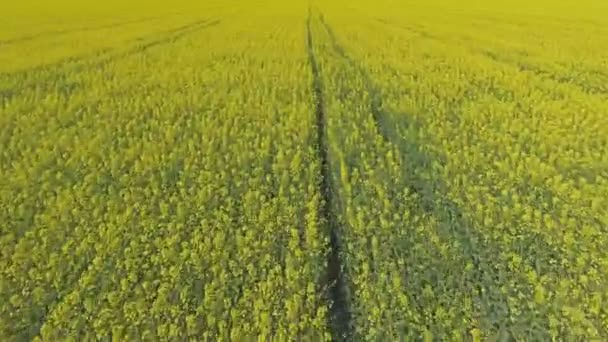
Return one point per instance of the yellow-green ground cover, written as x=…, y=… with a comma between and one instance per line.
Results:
x=304, y=170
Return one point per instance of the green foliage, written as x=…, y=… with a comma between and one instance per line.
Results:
x=162, y=170
x=470, y=165
x=171, y=193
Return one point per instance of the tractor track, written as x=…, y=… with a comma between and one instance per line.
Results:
x=340, y=321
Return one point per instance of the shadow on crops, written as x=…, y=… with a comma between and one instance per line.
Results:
x=486, y=279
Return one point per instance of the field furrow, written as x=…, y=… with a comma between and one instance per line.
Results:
x=340, y=312
x=304, y=171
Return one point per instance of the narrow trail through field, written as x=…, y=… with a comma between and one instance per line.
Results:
x=376, y=99
x=385, y=131
x=57, y=33
x=476, y=47
x=339, y=315
x=102, y=57
x=47, y=76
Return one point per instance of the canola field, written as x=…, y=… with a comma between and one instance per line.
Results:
x=306, y=170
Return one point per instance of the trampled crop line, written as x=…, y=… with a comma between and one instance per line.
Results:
x=57, y=33
x=522, y=67
x=340, y=318
x=374, y=93
x=106, y=56
x=375, y=104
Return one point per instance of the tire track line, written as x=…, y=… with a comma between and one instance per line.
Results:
x=57, y=33
x=340, y=321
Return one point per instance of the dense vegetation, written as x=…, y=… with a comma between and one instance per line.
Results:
x=304, y=170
